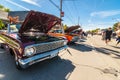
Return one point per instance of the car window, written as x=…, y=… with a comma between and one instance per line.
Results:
x=15, y=27
x=58, y=31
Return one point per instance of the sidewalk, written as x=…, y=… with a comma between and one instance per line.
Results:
x=92, y=65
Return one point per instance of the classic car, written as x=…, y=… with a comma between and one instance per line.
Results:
x=29, y=42
x=67, y=34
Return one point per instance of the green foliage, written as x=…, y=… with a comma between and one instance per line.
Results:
x=7, y=10
x=95, y=30
x=2, y=25
x=65, y=27
x=1, y=7
x=4, y=9
x=115, y=26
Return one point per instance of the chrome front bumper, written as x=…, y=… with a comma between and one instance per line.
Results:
x=40, y=57
x=75, y=39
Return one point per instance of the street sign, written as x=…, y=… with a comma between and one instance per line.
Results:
x=62, y=14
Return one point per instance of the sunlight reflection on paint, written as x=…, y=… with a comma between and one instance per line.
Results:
x=1, y=76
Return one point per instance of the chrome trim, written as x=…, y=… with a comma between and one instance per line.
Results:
x=75, y=39
x=40, y=57
x=42, y=44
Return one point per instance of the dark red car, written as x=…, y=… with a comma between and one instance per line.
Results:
x=29, y=41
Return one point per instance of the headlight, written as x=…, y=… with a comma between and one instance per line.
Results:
x=29, y=51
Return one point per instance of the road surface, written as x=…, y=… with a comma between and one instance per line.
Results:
x=91, y=59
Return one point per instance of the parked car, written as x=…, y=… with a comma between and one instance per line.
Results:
x=29, y=41
x=68, y=35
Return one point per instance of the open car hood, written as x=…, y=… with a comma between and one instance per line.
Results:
x=38, y=21
x=72, y=28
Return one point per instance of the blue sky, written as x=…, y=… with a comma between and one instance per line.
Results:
x=91, y=13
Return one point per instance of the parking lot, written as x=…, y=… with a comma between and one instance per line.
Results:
x=85, y=63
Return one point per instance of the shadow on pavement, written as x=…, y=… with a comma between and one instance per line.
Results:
x=81, y=47
x=108, y=51
x=116, y=47
x=2, y=51
x=103, y=50
x=82, y=40
x=54, y=69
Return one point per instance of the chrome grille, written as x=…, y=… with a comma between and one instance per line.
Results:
x=48, y=46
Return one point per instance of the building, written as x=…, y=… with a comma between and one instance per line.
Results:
x=3, y=16
x=20, y=14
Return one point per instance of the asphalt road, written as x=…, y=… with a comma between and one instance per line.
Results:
x=91, y=59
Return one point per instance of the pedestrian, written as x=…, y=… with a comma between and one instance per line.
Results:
x=118, y=37
x=103, y=35
x=91, y=33
x=108, y=34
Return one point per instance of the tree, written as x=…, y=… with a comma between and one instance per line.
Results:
x=1, y=7
x=4, y=9
x=115, y=26
x=95, y=31
x=65, y=27
x=1, y=25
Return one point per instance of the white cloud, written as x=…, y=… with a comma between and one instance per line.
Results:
x=17, y=5
x=101, y=25
x=104, y=14
x=89, y=21
x=33, y=2
x=116, y=19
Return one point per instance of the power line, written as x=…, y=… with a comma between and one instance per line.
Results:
x=76, y=11
x=60, y=10
x=69, y=13
x=69, y=19
x=55, y=5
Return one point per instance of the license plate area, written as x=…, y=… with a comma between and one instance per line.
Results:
x=39, y=60
x=53, y=55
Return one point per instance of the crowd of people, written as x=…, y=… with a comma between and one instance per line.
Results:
x=108, y=33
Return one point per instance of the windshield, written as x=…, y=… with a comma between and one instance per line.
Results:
x=57, y=31
x=14, y=27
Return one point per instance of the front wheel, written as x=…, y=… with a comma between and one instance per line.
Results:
x=1, y=46
x=17, y=64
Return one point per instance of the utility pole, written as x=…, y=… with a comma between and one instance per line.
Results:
x=61, y=1
x=61, y=13
x=60, y=9
x=78, y=20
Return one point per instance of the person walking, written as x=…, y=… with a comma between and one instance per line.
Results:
x=103, y=35
x=118, y=37
x=108, y=34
